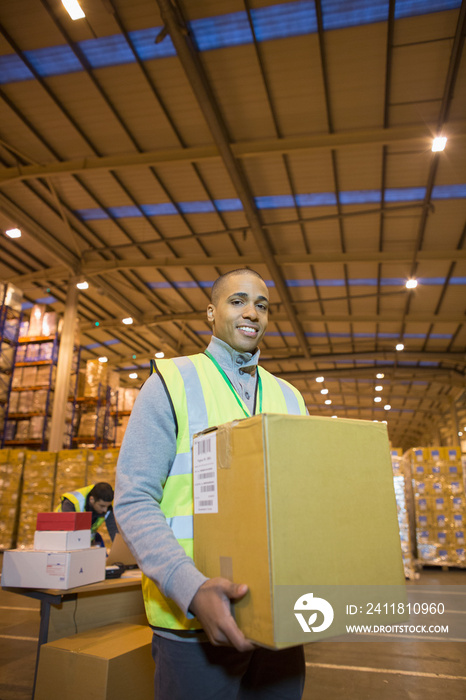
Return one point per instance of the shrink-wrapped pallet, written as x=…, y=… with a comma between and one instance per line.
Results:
x=38, y=490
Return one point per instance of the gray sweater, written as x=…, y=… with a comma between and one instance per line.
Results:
x=145, y=459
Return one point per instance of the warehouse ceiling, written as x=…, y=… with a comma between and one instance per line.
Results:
x=156, y=144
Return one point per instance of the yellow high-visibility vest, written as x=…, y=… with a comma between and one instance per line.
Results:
x=201, y=397
x=78, y=499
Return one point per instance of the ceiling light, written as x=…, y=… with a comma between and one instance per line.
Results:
x=159, y=355
x=328, y=402
x=103, y=359
x=380, y=375
x=133, y=375
x=334, y=416
x=411, y=284
x=127, y=321
x=375, y=420
x=379, y=387
x=399, y=346
x=377, y=399
x=73, y=8
x=324, y=391
x=13, y=233
x=83, y=285
x=387, y=407
x=319, y=379
x=439, y=143
x=460, y=433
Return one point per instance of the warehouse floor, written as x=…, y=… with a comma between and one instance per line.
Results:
x=398, y=670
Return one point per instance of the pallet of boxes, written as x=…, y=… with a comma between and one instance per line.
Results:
x=440, y=505
x=11, y=470
x=405, y=508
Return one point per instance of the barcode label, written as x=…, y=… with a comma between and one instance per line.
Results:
x=205, y=474
x=203, y=445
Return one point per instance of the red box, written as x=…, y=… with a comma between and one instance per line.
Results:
x=64, y=521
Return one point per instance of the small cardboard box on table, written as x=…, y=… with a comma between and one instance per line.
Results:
x=107, y=663
x=296, y=507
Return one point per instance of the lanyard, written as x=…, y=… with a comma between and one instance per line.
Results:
x=232, y=388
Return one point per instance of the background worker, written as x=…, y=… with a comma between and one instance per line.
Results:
x=154, y=505
x=96, y=499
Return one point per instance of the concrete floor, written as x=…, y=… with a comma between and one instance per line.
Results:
x=395, y=670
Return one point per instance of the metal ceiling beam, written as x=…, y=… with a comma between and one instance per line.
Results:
x=250, y=149
x=446, y=376
x=101, y=267
x=448, y=91
x=92, y=268
x=450, y=357
x=26, y=222
x=151, y=320
x=194, y=71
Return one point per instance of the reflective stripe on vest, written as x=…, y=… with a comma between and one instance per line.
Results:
x=200, y=399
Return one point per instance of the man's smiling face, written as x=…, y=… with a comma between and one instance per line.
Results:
x=240, y=315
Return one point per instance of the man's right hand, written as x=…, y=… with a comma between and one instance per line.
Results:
x=211, y=606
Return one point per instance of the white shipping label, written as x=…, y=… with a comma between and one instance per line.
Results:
x=56, y=565
x=205, y=473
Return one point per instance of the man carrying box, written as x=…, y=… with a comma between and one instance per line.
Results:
x=96, y=499
x=154, y=504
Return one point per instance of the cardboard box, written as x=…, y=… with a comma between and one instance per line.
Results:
x=64, y=521
x=291, y=503
x=61, y=570
x=113, y=662
x=63, y=541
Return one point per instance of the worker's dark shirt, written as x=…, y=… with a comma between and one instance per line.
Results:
x=110, y=521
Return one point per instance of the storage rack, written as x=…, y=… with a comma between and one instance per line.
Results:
x=10, y=321
x=32, y=343
x=100, y=405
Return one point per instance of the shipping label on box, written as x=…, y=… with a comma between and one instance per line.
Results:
x=303, y=509
x=205, y=473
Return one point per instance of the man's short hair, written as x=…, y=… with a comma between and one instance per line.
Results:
x=102, y=492
x=219, y=282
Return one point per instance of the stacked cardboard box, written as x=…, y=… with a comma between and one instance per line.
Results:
x=403, y=495
x=126, y=398
x=440, y=505
x=101, y=466
x=96, y=379
x=38, y=492
x=71, y=473
x=121, y=429
x=11, y=469
x=62, y=557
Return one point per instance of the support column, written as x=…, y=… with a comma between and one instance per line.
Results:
x=454, y=422
x=65, y=358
